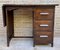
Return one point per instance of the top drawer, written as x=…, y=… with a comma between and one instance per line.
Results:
x=41, y=13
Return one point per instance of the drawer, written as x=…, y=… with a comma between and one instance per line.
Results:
x=43, y=37
x=43, y=25
x=41, y=13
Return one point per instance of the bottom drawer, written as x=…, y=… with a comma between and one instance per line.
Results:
x=43, y=37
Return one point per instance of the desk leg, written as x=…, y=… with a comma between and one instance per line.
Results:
x=33, y=28
x=10, y=26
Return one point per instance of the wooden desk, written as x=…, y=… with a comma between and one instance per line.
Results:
x=43, y=22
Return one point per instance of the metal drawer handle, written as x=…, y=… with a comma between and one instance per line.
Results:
x=43, y=36
x=46, y=25
x=44, y=13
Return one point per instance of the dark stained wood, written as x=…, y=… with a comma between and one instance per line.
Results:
x=33, y=28
x=10, y=26
x=53, y=28
x=4, y=15
x=43, y=40
x=37, y=18
x=23, y=37
x=43, y=28
x=16, y=5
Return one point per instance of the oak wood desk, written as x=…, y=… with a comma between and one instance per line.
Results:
x=43, y=22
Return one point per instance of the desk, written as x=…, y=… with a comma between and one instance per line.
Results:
x=43, y=22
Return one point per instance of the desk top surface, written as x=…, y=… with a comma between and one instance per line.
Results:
x=30, y=5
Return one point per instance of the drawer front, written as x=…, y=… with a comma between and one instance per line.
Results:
x=43, y=25
x=43, y=37
x=43, y=13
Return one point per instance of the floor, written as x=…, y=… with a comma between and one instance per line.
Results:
x=27, y=44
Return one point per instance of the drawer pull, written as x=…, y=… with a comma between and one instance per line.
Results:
x=43, y=36
x=44, y=13
x=46, y=25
